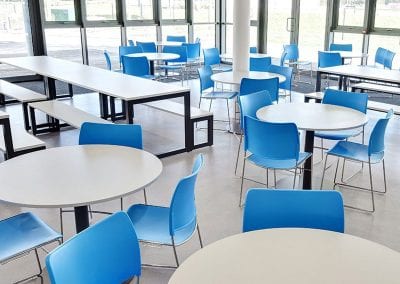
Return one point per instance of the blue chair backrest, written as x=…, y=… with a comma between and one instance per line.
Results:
x=281, y=208
x=271, y=85
x=180, y=50
x=147, y=46
x=135, y=66
x=284, y=71
x=183, y=207
x=253, y=49
x=131, y=42
x=388, y=59
x=357, y=101
x=380, y=55
x=260, y=64
x=176, y=38
x=193, y=50
x=291, y=52
x=376, y=143
x=250, y=103
x=108, y=60
x=211, y=56
x=107, y=252
x=278, y=141
x=329, y=59
x=205, y=77
x=129, y=135
x=124, y=50
x=340, y=47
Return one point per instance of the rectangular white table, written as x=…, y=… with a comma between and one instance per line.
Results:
x=130, y=89
x=358, y=72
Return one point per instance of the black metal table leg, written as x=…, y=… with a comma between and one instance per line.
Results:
x=152, y=67
x=189, y=129
x=318, y=82
x=103, y=106
x=129, y=112
x=50, y=84
x=81, y=218
x=309, y=147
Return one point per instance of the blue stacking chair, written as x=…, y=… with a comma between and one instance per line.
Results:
x=131, y=42
x=340, y=47
x=124, y=50
x=108, y=60
x=176, y=65
x=212, y=58
x=380, y=56
x=288, y=73
x=173, y=225
x=208, y=91
x=271, y=146
x=176, y=38
x=372, y=153
x=271, y=85
x=21, y=234
x=253, y=49
x=137, y=66
x=249, y=104
x=193, y=51
x=329, y=59
x=356, y=101
x=290, y=56
x=147, y=46
x=281, y=208
x=107, y=252
x=388, y=61
x=260, y=64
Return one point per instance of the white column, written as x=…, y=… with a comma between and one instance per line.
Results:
x=241, y=35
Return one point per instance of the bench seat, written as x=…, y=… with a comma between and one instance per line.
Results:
x=376, y=88
x=22, y=140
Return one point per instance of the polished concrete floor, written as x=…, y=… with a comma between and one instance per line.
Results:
x=218, y=187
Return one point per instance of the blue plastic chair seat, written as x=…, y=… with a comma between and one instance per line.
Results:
x=338, y=135
x=278, y=164
x=219, y=95
x=22, y=233
x=151, y=224
x=354, y=151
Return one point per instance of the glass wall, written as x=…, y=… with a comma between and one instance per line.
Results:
x=204, y=22
x=387, y=14
x=351, y=13
x=64, y=43
x=141, y=33
x=139, y=9
x=100, y=39
x=173, y=9
x=59, y=10
x=178, y=30
x=101, y=10
x=279, y=14
x=389, y=42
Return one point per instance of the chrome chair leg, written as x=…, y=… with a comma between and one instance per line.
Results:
x=229, y=117
x=323, y=172
x=372, y=186
x=294, y=180
x=209, y=108
x=384, y=175
x=238, y=152
x=275, y=178
x=145, y=196
x=175, y=253
x=122, y=204
x=241, y=187
x=198, y=233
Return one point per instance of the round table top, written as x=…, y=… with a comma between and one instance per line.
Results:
x=170, y=43
x=156, y=56
x=252, y=55
x=314, y=116
x=301, y=256
x=76, y=175
x=235, y=77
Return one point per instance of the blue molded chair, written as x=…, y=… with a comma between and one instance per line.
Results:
x=271, y=85
x=208, y=91
x=131, y=42
x=124, y=50
x=290, y=56
x=212, y=58
x=176, y=38
x=249, y=104
x=281, y=208
x=372, y=153
x=173, y=225
x=380, y=56
x=21, y=234
x=147, y=46
x=176, y=65
x=329, y=59
x=271, y=146
x=193, y=51
x=260, y=64
x=253, y=49
x=107, y=252
x=340, y=47
x=388, y=61
x=108, y=62
x=137, y=66
x=288, y=73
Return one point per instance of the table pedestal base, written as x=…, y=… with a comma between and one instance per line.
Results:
x=81, y=218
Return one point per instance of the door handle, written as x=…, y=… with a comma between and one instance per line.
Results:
x=290, y=22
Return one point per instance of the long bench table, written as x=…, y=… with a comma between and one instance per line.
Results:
x=130, y=89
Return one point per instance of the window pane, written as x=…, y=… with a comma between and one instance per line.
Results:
x=204, y=11
x=173, y=9
x=253, y=36
x=61, y=11
x=229, y=39
x=100, y=39
x=355, y=39
x=100, y=10
x=141, y=33
x=139, y=9
x=278, y=13
x=351, y=13
x=64, y=43
x=15, y=37
x=253, y=10
x=388, y=42
x=206, y=34
x=181, y=30
x=387, y=14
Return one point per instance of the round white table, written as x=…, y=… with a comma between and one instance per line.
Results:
x=313, y=117
x=155, y=56
x=234, y=78
x=287, y=256
x=76, y=176
x=228, y=56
